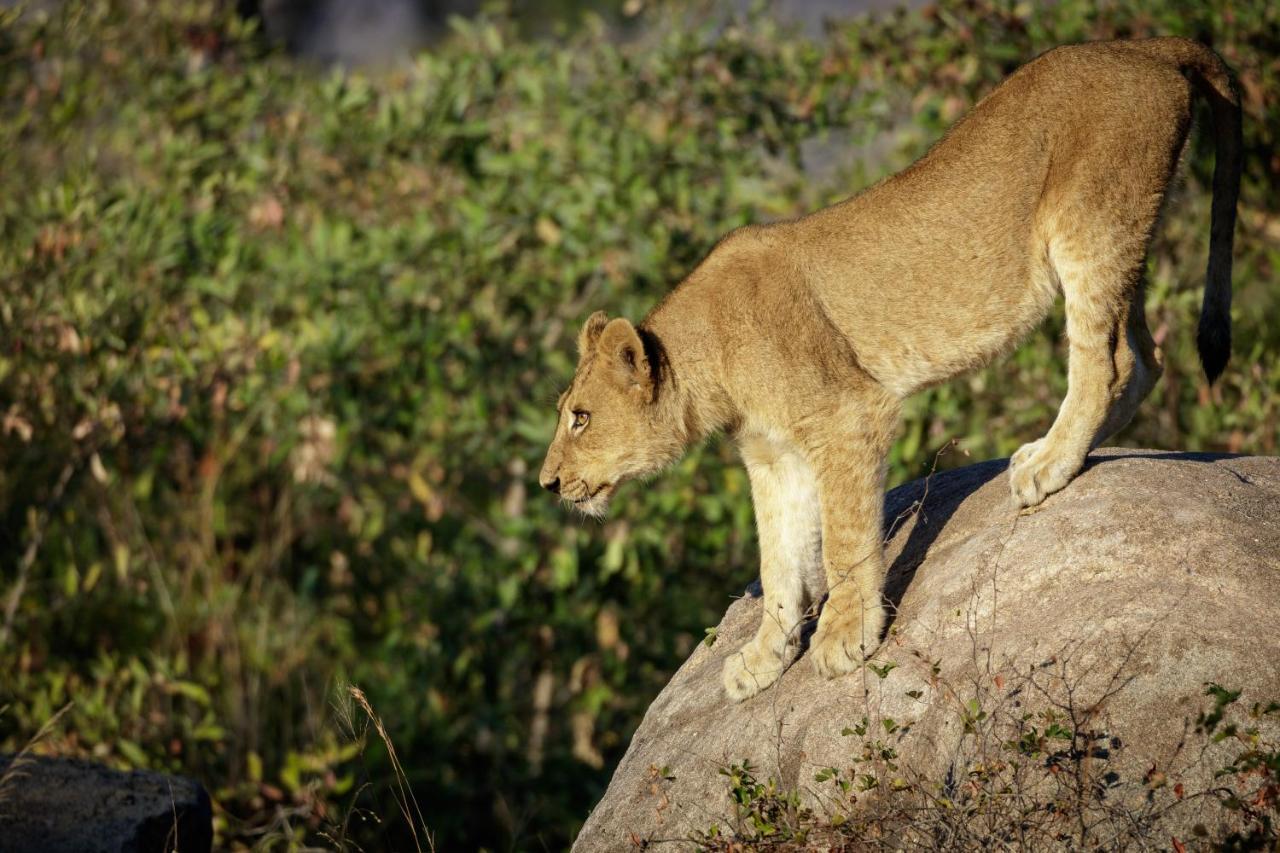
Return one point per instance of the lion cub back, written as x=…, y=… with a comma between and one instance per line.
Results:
x=947, y=265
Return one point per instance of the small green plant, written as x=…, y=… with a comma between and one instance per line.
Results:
x=1251, y=781
x=763, y=813
x=881, y=670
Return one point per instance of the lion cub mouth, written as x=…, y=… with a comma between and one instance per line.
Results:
x=592, y=502
x=579, y=492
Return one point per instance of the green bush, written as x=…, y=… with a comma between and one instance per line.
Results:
x=279, y=349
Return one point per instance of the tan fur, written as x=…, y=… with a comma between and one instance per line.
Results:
x=802, y=338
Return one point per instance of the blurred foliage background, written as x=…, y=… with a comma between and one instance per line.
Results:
x=279, y=348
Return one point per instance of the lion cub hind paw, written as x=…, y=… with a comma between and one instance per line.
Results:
x=1034, y=478
x=841, y=647
x=836, y=656
x=748, y=671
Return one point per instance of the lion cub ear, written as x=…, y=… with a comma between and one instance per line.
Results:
x=591, y=333
x=621, y=346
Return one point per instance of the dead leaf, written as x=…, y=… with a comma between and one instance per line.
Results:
x=547, y=231
x=267, y=214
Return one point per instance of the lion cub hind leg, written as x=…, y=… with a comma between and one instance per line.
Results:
x=1138, y=367
x=848, y=451
x=1101, y=389
x=788, y=526
x=1097, y=223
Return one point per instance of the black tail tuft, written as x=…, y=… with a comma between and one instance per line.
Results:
x=1214, y=342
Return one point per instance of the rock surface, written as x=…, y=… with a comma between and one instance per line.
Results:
x=59, y=805
x=1116, y=601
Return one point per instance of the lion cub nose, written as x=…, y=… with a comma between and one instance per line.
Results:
x=552, y=486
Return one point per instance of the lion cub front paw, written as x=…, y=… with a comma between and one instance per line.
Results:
x=845, y=639
x=750, y=670
x=1035, y=472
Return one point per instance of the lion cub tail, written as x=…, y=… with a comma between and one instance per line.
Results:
x=1212, y=79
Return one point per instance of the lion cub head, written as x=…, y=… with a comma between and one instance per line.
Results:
x=611, y=425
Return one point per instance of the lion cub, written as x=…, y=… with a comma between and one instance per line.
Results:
x=802, y=338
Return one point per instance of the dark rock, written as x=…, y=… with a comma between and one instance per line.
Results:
x=60, y=805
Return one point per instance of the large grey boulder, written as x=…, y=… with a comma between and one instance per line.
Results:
x=1105, y=612
x=61, y=805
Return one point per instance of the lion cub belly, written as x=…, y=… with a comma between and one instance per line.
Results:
x=909, y=344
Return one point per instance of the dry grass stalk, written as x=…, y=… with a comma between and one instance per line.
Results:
x=14, y=771
x=403, y=793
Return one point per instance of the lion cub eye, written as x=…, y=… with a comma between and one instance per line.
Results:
x=580, y=420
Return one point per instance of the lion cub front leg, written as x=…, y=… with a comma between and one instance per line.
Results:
x=850, y=465
x=788, y=529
